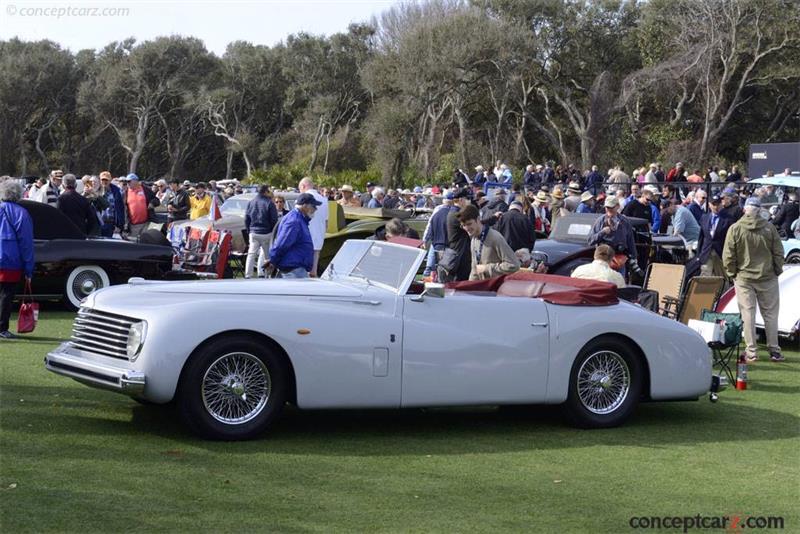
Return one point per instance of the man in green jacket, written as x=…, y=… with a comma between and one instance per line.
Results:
x=753, y=258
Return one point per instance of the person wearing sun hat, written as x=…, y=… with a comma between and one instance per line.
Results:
x=557, y=208
x=348, y=199
x=587, y=203
x=538, y=214
x=573, y=197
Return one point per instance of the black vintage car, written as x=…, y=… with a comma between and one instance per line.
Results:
x=568, y=245
x=70, y=265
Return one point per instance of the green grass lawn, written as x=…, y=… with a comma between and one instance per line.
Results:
x=79, y=459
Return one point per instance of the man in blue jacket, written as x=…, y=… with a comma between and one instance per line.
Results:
x=714, y=228
x=16, y=248
x=292, y=251
x=259, y=219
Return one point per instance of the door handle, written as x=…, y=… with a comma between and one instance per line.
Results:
x=538, y=324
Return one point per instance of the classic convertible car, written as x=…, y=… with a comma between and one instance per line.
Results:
x=70, y=265
x=366, y=335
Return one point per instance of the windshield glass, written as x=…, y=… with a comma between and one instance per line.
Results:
x=389, y=265
x=233, y=205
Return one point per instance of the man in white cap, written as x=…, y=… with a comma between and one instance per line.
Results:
x=753, y=257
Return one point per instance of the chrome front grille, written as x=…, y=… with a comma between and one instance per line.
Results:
x=101, y=333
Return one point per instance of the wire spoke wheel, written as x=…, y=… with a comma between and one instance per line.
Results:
x=236, y=387
x=603, y=382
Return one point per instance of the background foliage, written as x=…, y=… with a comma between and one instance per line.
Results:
x=422, y=89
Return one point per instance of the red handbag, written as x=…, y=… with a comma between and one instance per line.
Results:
x=28, y=312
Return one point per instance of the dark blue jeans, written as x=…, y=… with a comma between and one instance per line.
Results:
x=107, y=230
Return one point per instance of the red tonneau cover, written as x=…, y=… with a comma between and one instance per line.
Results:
x=551, y=288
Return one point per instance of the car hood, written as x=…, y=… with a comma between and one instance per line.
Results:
x=141, y=294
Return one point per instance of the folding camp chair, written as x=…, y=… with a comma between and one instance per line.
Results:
x=195, y=244
x=238, y=259
x=667, y=280
x=702, y=294
x=214, y=259
x=728, y=349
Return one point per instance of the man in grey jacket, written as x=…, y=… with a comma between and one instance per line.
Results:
x=259, y=219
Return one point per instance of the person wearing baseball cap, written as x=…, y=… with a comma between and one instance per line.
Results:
x=614, y=230
x=292, y=251
x=753, y=256
x=366, y=196
x=714, y=226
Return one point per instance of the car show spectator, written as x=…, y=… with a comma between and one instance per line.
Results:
x=16, y=249
x=49, y=193
x=497, y=205
x=377, y=198
x=454, y=263
x=753, y=258
x=600, y=268
x=113, y=216
x=200, y=203
x=490, y=255
x=516, y=228
x=139, y=201
x=179, y=204
x=163, y=192
x=787, y=214
x=557, y=208
x=280, y=205
x=640, y=207
x=319, y=222
x=587, y=203
x=77, y=208
x=259, y=220
x=366, y=197
x=348, y=199
x=436, y=232
x=730, y=205
x=292, y=250
x=684, y=224
x=613, y=229
x=573, y=199
x=698, y=204
x=713, y=229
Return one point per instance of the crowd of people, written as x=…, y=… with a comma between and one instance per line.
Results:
x=472, y=233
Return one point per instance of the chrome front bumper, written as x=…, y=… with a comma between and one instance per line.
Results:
x=65, y=361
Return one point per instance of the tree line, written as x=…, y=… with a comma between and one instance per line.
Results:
x=416, y=92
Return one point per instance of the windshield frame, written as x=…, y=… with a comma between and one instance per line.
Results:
x=353, y=251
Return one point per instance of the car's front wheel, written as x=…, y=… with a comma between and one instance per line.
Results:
x=794, y=257
x=605, y=384
x=82, y=282
x=232, y=389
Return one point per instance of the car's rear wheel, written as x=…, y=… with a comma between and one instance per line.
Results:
x=232, y=389
x=794, y=257
x=605, y=384
x=82, y=282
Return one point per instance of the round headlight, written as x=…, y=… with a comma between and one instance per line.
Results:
x=135, y=339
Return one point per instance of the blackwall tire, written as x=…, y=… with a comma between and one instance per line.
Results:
x=82, y=282
x=232, y=389
x=605, y=384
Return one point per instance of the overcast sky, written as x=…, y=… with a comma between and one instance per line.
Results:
x=77, y=24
